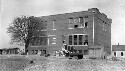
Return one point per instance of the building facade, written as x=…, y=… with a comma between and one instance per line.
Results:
x=78, y=29
x=118, y=50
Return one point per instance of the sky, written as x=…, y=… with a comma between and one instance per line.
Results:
x=9, y=9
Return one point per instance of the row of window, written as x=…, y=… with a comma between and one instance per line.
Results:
x=39, y=41
x=36, y=51
x=115, y=53
x=105, y=24
x=78, y=39
x=78, y=22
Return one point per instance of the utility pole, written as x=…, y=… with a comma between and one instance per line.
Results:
x=93, y=12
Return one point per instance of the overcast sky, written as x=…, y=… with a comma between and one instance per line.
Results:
x=114, y=9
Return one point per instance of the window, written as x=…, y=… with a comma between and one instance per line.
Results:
x=54, y=25
x=69, y=48
x=78, y=39
x=71, y=23
x=76, y=26
x=86, y=16
x=44, y=51
x=121, y=53
x=36, y=51
x=70, y=40
x=76, y=23
x=81, y=20
x=80, y=51
x=42, y=40
x=114, y=53
x=32, y=51
x=104, y=26
x=76, y=20
x=86, y=24
x=75, y=39
x=32, y=42
x=54, y=41
x=86, y=40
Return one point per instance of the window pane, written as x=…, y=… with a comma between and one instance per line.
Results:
x=70, y=40
x=75, y=39
x=80, y=39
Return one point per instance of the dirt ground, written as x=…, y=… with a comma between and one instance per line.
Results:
x=22, y=63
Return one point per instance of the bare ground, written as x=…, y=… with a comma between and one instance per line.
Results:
x=22, y=63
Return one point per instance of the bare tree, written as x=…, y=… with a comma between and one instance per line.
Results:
x=22, y=29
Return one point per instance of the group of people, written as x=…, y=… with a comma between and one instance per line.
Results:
x=63, y=52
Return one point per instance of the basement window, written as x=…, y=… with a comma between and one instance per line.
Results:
x=80, y=51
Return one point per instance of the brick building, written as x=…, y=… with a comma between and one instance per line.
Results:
x=78, y=29
x=9, y=51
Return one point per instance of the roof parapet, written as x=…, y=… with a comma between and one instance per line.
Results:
x=95, y=10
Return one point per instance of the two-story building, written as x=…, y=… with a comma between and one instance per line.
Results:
x=78, y=29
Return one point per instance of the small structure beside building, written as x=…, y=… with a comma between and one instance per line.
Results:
x=118, y=51
x=9, y=51
x=97, y=52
